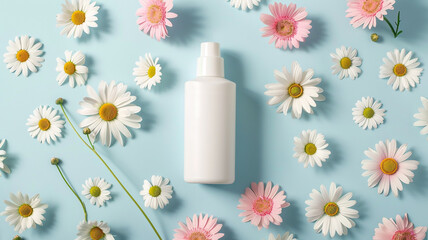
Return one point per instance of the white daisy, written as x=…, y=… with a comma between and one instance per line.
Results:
x=73, y=68
x=110, y=112
x=24, y=212
x=147, y=72
x=331, y=212
x=23, y=55
x=422, y=117
x=310, y=148
x=96, y=190
x=368, y=114
x=156, y=193
x=401, y=69
x=296, y=90
x=286, y=236
x=244, y=4
x=3, y=166
x=93, y=230
x=45, y=123
x=76, y=17
x=346, y=63
x=388, y=167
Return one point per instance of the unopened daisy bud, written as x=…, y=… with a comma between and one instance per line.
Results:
x=374, y=37
x=59, y=101
x=86, y=131
x=54, y=161
x=17, y=238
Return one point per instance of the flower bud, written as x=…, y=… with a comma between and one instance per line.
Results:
x=59, y=101
x=86, y=131
x=17, y=238
x=374, y=37
x=54, y=161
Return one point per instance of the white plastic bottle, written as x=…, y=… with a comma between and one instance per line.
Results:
x=210, y=116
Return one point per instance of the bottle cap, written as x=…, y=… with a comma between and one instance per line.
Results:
x=210, y=63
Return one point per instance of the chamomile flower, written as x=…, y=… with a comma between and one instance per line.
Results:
x=400, y=229
x=368, y=113
x=389, y=167
x=402, y=70
x=3, y=166
x=96, y=190
x=286, y=236
x=331, y=212
x=244, y=4
x=157, y=192
x=296, y=90
x=311, y=148
x=346, y=63
x=93, y=230
x=110, y=112
x=45, y=124
x=77, y=17
x=365, y=12
x=72, y=68
x=201, y=227
x=422, y=117
x=24, y=212
x=148, y=72
x=23, y=54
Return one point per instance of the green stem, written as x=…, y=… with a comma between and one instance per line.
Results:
x=90, y=142
x=390, y=26
x=74, y=192
x=112, y=173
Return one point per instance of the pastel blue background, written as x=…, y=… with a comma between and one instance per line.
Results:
x=264, y=138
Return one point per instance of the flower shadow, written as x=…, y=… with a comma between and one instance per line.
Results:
x=10, y=161
x=420, y=181
x=292, y=217
x=50, y=221
x=186, y=26
x=169, y=79
x=104, y=26
x=335, y=158
x=317, y=35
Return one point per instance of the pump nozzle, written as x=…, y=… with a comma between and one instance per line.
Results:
x=210, y=63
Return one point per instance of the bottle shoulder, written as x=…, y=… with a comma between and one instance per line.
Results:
x=210, y=80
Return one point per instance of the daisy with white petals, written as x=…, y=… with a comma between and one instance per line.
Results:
x=286, y=236
x=76, y=17
x=346, y=63
x=368, y=113
x=110, y=112
x=148, y=72
x=244, y=4
x=422, y=117
x=3, y=166
x=93, y=230
x=402, y=70
x=296, y=90
x=45, y=124
x=389, y=167
x=157, y=192
x=23, y=55
x=331, y=212
x=311, y=148
x=72, y=68
x=24, y=212
x=96, y=190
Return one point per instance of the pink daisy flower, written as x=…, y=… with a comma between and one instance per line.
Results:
x=154, y=17
x=201, y=228
x=401, y=229
x=365, y=12
x=288, y=26
x=262, y=206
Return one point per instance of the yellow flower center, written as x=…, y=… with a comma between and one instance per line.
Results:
x=108, y=112
x=368, y=112
x=78, y=17
x=389, y=166
x=285, y=27
x=152, y=71
x=95, y=191
x=331, y=209
x=404, y=235
x=154, y=14
x=96, y=233
x=345, y=63
x=197, y=236
x=69, y=68
x=310, y=149
x=263, y=206
x=155, y=191
x=400, y=70
x=22, y=55
x=25, y=210
x=44, y=124
x=372, y=6
x=295, y=90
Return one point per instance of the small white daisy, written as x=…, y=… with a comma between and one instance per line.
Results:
x=3, y=166
x=147, y=72
x=93, y=230
x=23, y=55
x=24, y=212
x=76, y=17
x=346, y=63
x=96, y=190
x=401, y=69
x=244, y=4
x=331, y=212
x=45, y=123
x=310, y=148
x=296, y=90
x=73, y=68
x=286, y=236
x=156, y=193
x=367, y=113
x=422, y=117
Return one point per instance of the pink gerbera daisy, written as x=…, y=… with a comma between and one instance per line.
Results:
x=401, y=229
x=365, y=12
x=154, y=17
x=201, y=228
x=288, y=26
x=262, y=206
